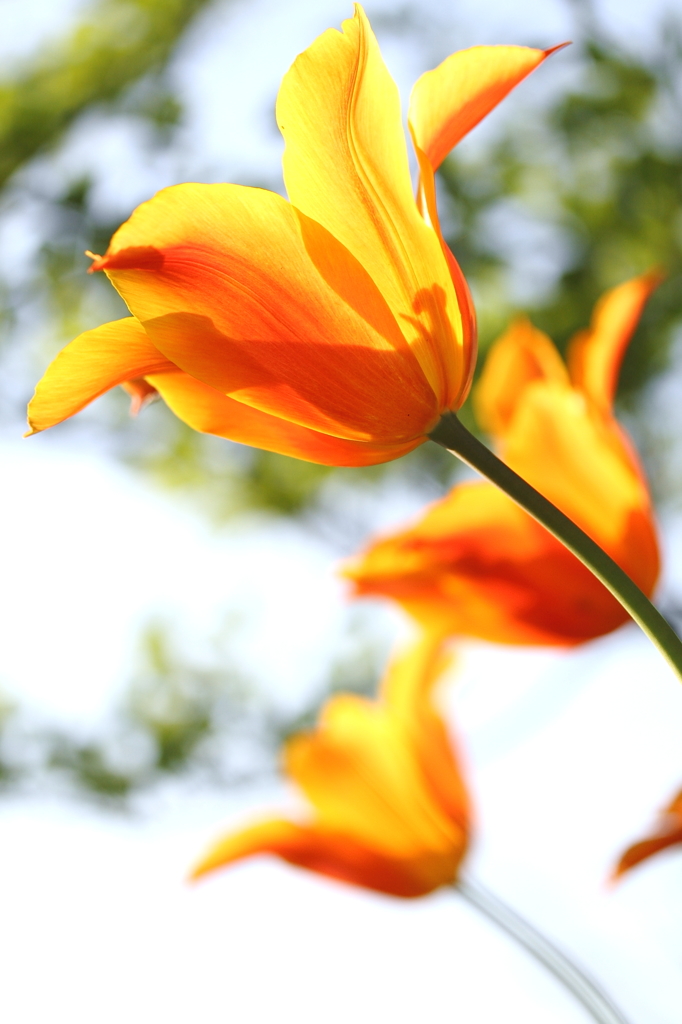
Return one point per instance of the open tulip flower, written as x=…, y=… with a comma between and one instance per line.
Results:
x=478, y=565
x=336, y=327
x=389, y=808
x=668, y=833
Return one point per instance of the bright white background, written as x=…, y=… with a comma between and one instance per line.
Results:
x=568, y=756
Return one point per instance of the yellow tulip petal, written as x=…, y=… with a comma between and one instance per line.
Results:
x=327, y=853
x=522, y=355
x=581, y=462
x=243, y=292
x=449, y=101
x=207, y=410
x=345, y=165
x=364, y=780
x=595, y=355
x=407, y=690
x=92, y=364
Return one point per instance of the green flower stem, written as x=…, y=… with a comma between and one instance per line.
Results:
x=588, y=993
x=451, y=434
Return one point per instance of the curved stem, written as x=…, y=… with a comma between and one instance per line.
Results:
x=451, y=434
x=579, y=984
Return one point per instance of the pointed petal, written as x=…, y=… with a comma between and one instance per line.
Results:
x=449, y=101
x=207, y=410
x=640, y=852
x=345, y=165
x=595, y=355
x=523, y=354
x=332, y=854
x=90, y=365
x=246, y=294
x=668, y=834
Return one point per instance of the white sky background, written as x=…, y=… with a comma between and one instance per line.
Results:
x=569, y=756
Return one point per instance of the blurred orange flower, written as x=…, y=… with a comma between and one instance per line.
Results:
x=390, y=810
x=476, y=564
x=336, y=327
x=669, y=833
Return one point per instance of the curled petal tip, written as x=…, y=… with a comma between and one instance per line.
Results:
x=559, y=46
x=98, y=261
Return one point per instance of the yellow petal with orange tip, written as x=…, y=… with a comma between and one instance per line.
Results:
x=668, y=834
x=595, y=355
x=246, y=294
x=207, y=410
x=449, y=101
x=91, y=364
x=346, y=166
x=521, y=355
x=335, y=855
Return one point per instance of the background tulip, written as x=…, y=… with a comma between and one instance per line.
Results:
x=476, y=563
x=390, y=809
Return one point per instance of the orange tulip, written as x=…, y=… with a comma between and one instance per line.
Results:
x=390, y=810
x=669, y=833
x=336, y=327
x=476, y=564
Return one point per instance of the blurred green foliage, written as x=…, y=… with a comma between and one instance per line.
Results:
x=181, y=719
x=117, y=44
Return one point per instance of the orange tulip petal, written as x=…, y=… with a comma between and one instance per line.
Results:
x=141, y=394
x=669, y=834
x=205, y=409
x=640, y=852
x=449, y=101
x=90, y=365
x=595, y=355
x=224, y=281
x=332, y=854
x=345, y=165
x=477, y=565
x=523, y=354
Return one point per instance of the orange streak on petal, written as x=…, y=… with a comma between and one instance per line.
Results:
x=93, y=363
x=477, y=565
x=207, y=410
x=242, y=291
x=331, y=854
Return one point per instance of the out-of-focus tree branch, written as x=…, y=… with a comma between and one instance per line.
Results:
x=118, y=43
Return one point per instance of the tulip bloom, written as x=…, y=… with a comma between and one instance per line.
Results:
x=336, y=327
x=478, y=565
x=668, y=833
x=389, y=808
